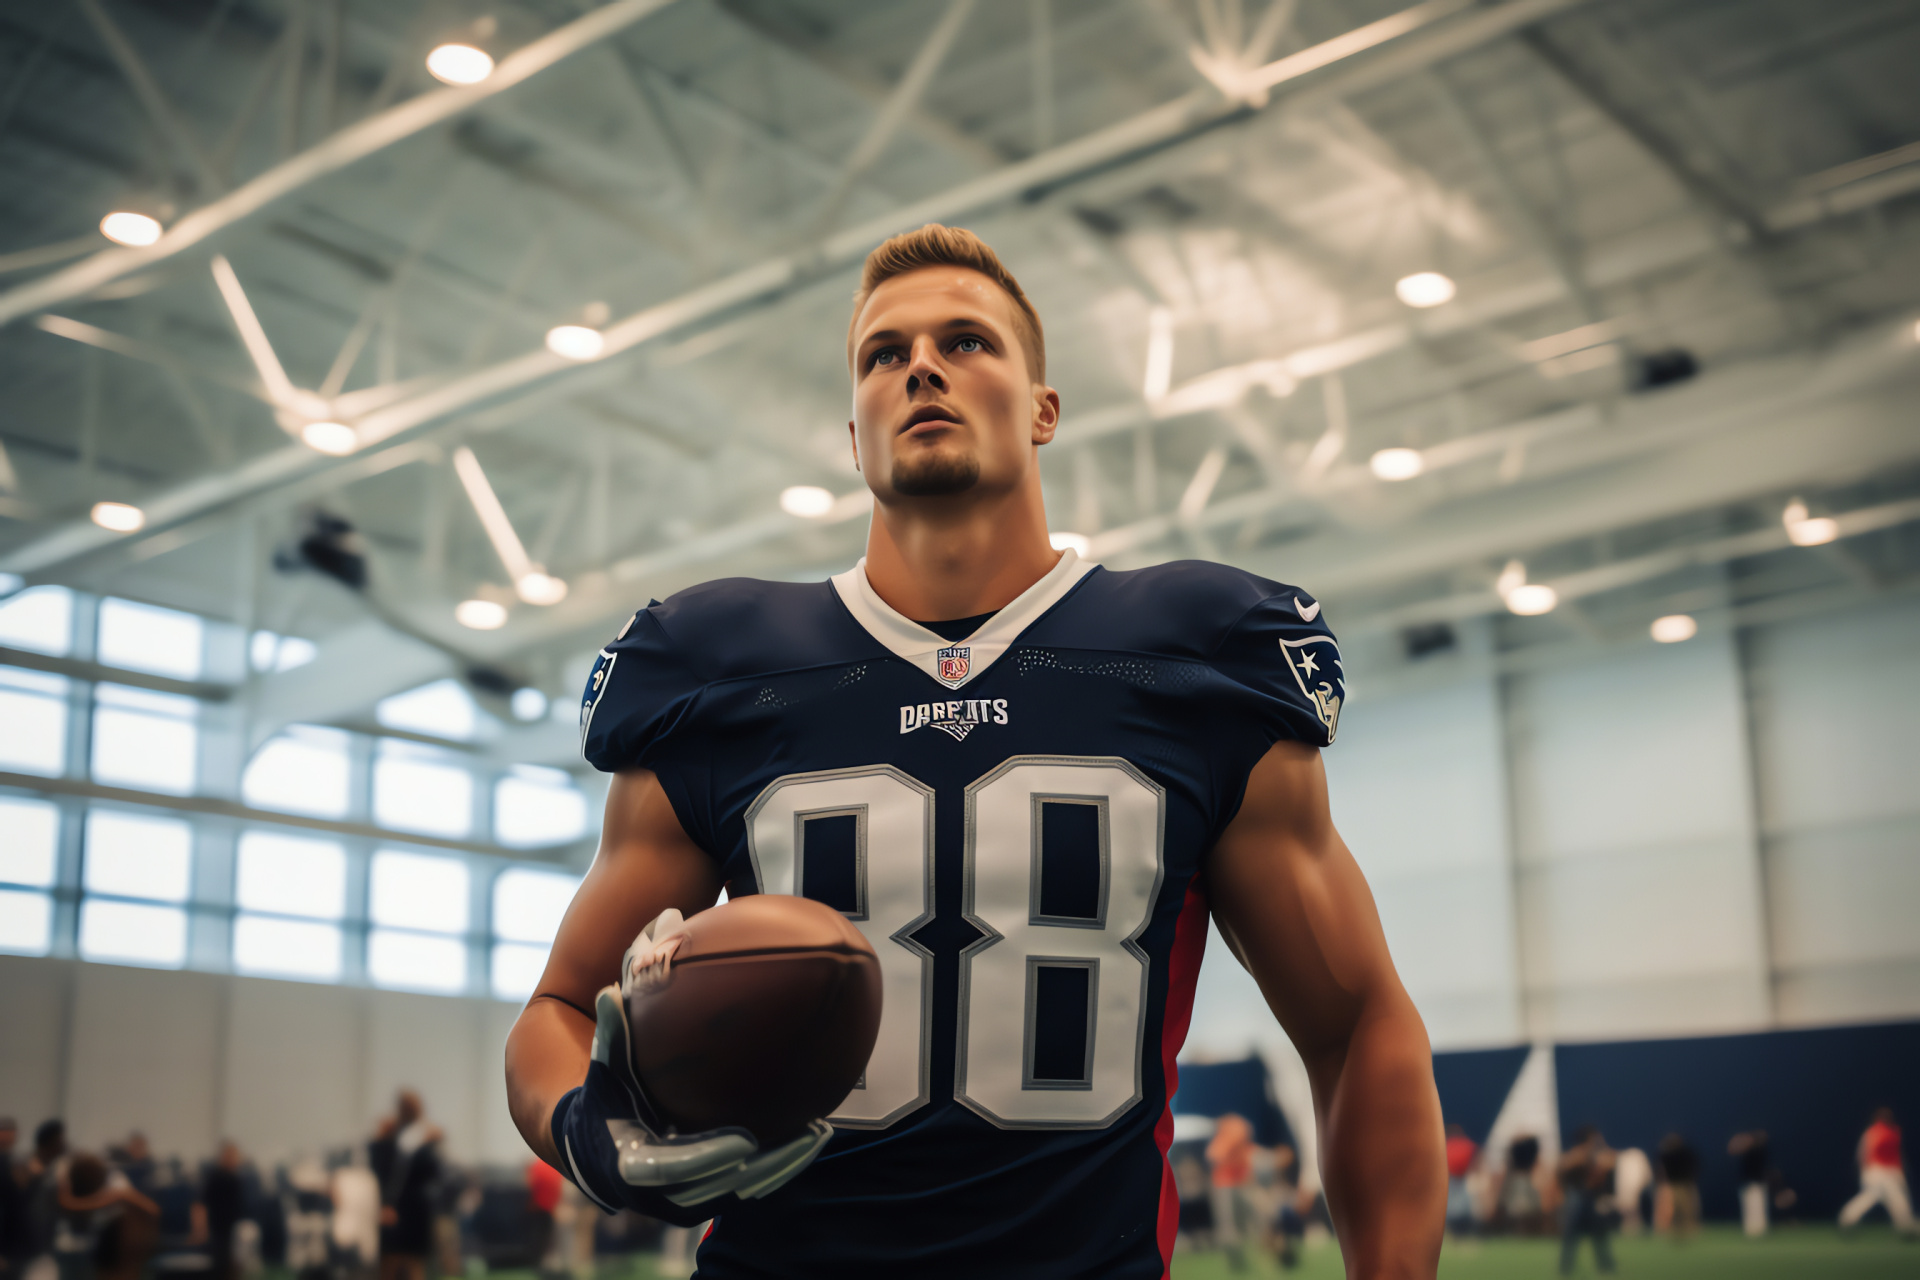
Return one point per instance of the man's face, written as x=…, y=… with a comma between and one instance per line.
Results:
x=943, y=402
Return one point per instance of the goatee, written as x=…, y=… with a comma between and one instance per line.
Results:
x=933, y=475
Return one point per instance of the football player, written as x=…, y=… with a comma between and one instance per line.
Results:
x=1029, y=781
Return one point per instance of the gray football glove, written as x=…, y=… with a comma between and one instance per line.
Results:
x=688, y=1169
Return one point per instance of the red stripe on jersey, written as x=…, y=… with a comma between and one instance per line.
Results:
x=1183, y=971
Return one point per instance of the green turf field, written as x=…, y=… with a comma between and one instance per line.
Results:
x=1804, y=1253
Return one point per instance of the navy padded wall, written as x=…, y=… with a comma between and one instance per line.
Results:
x=1812, y=1091
x=1474, y=1084
x=1216, y=1088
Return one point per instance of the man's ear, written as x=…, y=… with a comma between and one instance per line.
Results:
x=1046, y=413
x=853, y=438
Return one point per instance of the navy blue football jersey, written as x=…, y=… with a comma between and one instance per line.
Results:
x=1016, y=821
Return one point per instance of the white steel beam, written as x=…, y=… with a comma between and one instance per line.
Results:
x=348, y=146
x=1197, y=110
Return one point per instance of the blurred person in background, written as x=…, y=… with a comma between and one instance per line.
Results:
x=1236, y=1209
x=1463, y=1153
x=1196, y=1207
x=308, y=1205
x=543, y=1203
x=1632, y=1175
x=106, y=1228
x=1676, y=1201
x=1289, y=1220
x=1586, y=1209
x=14, y=1237
x=223, y=1204
x=405, y=1157
x=1519, y=1208
x=135, y=1159
x=39, y=1188
x=356, y=1215
x=1883, y=1177
x=1753, y=1168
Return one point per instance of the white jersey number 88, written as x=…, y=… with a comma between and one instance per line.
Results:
x=1016, y=1066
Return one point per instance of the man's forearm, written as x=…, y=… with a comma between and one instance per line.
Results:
x=1382, y=1149
x=546, y=1056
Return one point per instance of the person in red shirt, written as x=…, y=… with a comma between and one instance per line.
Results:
x=543, y=1197
x=1883, y=1180
x=1236, y=1209
x=1462, y=1154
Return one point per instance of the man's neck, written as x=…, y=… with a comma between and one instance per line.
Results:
x=932, y=560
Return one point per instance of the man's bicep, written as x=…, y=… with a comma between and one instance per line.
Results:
x=1292, y=902
x=646, y=863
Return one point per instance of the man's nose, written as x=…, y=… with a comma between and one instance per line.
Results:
x=924, y=367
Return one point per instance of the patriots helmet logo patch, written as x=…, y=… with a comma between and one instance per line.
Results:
x=954, y=663
x=1315, y=665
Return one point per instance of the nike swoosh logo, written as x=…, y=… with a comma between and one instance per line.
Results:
x=1307, y=612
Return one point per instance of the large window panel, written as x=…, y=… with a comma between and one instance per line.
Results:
x=33, y=707
x=274, y=947
x=39, y=618
x=291, y=875
x=134, y=856
x=26, y=922
x=527, y=907
x=516, y=970
x=420, y=789
x=145, y=739
x=304, y=770
x=133, y=933
x=419, y=891
x=144, y=637
x=536, y=806
x=29, y=836
x=528, y=904
x=416, y=961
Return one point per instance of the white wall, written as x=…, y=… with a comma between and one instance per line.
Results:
x=280, y=1067
x=1635, y=844
x=1418, y=793
x=1837, y=746
x=1633, y=839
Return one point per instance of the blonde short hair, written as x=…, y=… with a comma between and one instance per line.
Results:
x=936, y=246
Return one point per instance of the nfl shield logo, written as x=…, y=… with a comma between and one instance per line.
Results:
x=953, y=664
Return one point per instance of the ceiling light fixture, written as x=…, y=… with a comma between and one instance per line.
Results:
x=336, y=438
x=1814, y=532
x=1673, y=628
x=1528, y=599
x=136, y=230
x=1805, y=530
x=1531, y=599
x=1398, y=464
x=807, y=500
x=480, y=615
x=121, y=517
x=540, y=587
x=576, y=341
x=459, y=64
x=1078, y=543
x=1424, y=289
x=528, y=703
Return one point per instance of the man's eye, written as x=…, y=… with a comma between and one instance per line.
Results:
x=969, y=344
x=883, y=357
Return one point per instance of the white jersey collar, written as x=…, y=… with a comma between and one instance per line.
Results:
x=955, y=662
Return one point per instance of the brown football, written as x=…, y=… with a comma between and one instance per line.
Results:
x=764, y=1018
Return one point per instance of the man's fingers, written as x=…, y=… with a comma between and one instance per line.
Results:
x=609, y=1027
x=648, y=1162
x=762, y=1175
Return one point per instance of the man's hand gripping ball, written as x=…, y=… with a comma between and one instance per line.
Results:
x=622, y=1154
